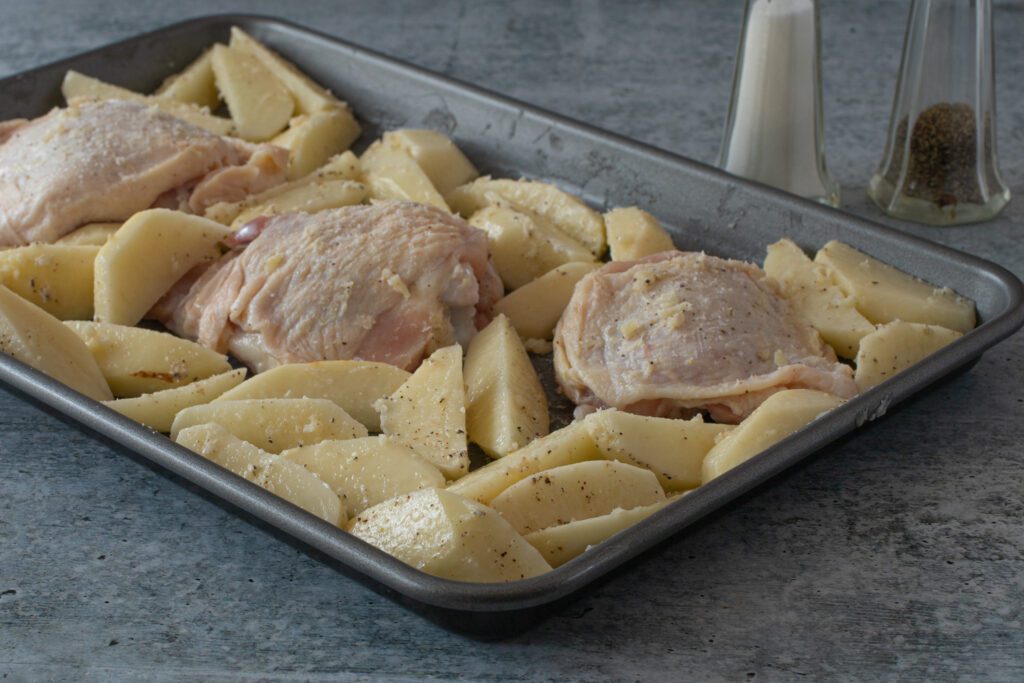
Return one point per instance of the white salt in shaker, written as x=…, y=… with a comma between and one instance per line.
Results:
x=774, y=133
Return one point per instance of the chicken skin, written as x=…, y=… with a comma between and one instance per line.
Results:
x=678, y=333
x=104, y=160
x=389, y=282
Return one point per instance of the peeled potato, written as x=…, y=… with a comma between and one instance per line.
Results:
x=90, y=235
x=144, y=259
x=309, y=198
x=428, y=412
x=634, y=233
x=275, y=474
x=313, y=139
x=506, y=406
x=274, y=424
x=157, y=410
x=392, y=174
x=367, y=471
x=36, y=338
x=56, y=277
x=560, y=209
x=138, y=361
x=194, y=85
x=895, y=347
x=534, y=308
x=883, y=293
x=573, y=492
x=259, y=103
x=446, y=535
x=780, y=415
x=444, y=163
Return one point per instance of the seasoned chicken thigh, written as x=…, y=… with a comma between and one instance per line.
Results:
x=104, y=160
x=389, y=282
x=676, y=333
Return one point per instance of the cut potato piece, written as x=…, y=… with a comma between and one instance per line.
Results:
x=524, y=247
x=275, y=424
x=80, y=85
x=446, y=535
x=367, y=471
x=194, y=85
x=275, y=474
x=36, y=338
x=779, y=416
x=534, y=308
x=309, y=198
x=355, y=385
x=157, y=410
x=144, y=259
x=562, y=210
x=559, y=544
x=312, y=140
x=573, y=492
x=565, y=446
x=90, y=235
x=309, y=97
x=55, y=277
x=138, y=361
x=428, y=412
x=883, y=293
x=895, y=347
x=672, y=449
x=634, y=233
x=505, y=404
x=259, y=103
x=393, y=174
x=815, y=297
x=444, y=163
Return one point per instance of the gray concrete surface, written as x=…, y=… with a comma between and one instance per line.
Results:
x=896, y=555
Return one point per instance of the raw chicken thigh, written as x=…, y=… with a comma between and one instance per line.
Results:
x=676, y=333
x=389, y=282
x=104, y=160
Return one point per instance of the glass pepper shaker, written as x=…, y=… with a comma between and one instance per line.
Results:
x=774, y=132
x=939, y=165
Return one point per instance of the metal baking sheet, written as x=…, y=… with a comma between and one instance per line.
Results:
x=703, y=208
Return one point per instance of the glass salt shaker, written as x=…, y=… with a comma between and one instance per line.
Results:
x=774, y=132
x=939, y=165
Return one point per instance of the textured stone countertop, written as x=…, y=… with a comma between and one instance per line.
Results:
x=895, y=554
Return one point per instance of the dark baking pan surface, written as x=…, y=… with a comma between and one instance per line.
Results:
x=703, y=208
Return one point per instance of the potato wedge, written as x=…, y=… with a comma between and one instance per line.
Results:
x=523, y=246
x=815, y=297
x=309, y=198
x=313, y=139
x=367, y=471
x=883, y=293
x=36, y=338
x=309, y=97
x=672, y=449
x=779, y=416
x=562, y=210
x=444, y=163
x=633, y=233
x=90, y=235
x=275, y=474
x=505, y=404
x=157, y=410
x=144, y=259
x=573, y=492
x=55, y=277
x=446, y=535
x=564, y=446
x=896, y=346
x=194, y=85
x=274, y=424
x=355, y=385
x=80, y=85
x=559, y=544
x=534, y=308
x=259, y=103
x=393, y=174
x=428, y=412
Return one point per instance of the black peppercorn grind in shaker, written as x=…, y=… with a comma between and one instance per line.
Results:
x=939, y=165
